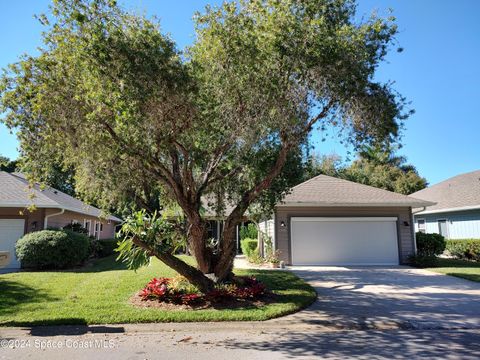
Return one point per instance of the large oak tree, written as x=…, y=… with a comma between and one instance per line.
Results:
x=110, y=95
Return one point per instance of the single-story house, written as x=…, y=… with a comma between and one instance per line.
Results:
x=52, y=209
x=456, y=214
x=330, y=221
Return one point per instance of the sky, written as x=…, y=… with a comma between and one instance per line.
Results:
x=438, y=71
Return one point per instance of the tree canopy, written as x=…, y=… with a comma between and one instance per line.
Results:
x=111, y=96
x=8, y=165
x=375, y=166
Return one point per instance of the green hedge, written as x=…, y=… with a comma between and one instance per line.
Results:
x=429, y=244
x=248, y=232
x=464, y=248
x=249, y=246
x=52, y=249
x=106, y=247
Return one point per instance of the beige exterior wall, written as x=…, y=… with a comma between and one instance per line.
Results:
x=33, y=219
x=59, y=221
x=406, y=242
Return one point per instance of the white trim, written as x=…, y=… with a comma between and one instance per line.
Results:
x=343, y=219
x=424, y=223
x=462, y=208
x=85, y=221
x=45, y=221
x=75, y=210
x=368, y=204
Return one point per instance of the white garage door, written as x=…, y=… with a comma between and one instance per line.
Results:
x=344, y=241
x=10, y=231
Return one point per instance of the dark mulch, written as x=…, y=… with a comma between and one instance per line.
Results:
x=136, y=300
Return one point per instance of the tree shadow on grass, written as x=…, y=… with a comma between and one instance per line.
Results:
x=14, y=294
x=72, y=330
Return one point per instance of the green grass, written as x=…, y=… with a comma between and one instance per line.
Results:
x=100, y=294
x=460, y=268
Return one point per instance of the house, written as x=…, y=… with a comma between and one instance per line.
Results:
x=457, y=212
x=330, y=221
x=215, y=220
x=52, y=209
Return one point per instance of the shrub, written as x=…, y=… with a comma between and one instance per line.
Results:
x=106, y=247
x=249, y=247
x=52, y=249
x=464, y=248
x=430, y=244
x=423, y=261
x=76, y=227
x=248, y=232
x=179, y=291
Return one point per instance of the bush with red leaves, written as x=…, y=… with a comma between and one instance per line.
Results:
x=161, y=289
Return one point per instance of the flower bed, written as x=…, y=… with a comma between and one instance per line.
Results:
x=179, y=291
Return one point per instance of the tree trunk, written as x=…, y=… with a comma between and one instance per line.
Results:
x=197, y=239
x=224, y=265
x=192, y=274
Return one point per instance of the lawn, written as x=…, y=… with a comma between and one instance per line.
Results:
x=460, y=268
x=100, y=294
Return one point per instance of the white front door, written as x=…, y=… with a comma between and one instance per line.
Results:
x=10, y=231
x=344, y=241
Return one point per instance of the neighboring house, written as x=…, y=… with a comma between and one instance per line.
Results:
x=215, y=221
x=52, y=209
x=457, y=212
x=330, y=221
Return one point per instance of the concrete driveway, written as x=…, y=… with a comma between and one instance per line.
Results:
x=389, y=297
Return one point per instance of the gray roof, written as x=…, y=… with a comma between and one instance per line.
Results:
x=325, y=190
x=457, y=193
x=15, y=191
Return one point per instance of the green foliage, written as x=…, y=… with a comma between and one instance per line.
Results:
x=375, y=166
x=52, y=249
x=423, y=261
x=99, y=294
x=249, y=247
x=464, y=248
x=430, y=244
x=249, y=232
x=106, y=247
x=229, y=115
x=154, y=231
x=180, y=284
x=8, y=165
x=76, y=227
x=379, y=166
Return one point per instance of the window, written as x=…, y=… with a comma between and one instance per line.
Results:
x=87, y=226
x=101, y=227
x=96, y=233
x=421, y=225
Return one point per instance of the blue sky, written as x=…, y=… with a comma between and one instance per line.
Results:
x=438, y=72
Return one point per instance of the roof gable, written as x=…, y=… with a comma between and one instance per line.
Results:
x=461, y=191
x=325, y=190
x=15, y=191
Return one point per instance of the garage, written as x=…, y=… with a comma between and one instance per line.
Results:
x=332, y=221
x=10, y=231
x=344, y=241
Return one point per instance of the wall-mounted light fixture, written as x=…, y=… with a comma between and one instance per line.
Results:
x=34, y=225
x=282, y=224
x=405, y=223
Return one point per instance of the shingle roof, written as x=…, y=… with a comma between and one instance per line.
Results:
x=325, y=190
x=461, y=191
x=15, y=191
